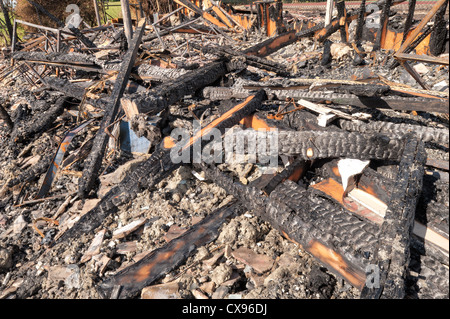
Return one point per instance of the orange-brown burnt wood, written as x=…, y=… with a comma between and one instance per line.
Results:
x=335, y=262
x=170, y=142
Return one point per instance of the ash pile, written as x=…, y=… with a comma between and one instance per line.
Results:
x=213, y=151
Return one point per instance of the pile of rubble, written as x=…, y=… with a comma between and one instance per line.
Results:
x=114, y=182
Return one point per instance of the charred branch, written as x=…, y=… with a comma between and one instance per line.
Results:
x=94, y=161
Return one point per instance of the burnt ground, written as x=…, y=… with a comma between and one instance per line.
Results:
x=28, y=269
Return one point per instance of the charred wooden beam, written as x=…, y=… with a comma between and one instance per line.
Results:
x=309, y=145
x=157, y=167
x=384, y=20
x=252, y=60
x=392, y=253
x=317, y=225
x=75, y=61
x=360, y=23
x=422, y=58
x=9, y=27
x=39, y=124
x=163, y=260
x=398, y=130
x=94, y=161
x=272, y=45
x=439, y=35
x=381, y=102
x=159, y=98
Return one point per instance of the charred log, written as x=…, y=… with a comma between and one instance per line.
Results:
x=382, y=102
x=159, y=98
x=392, y=254
x=314, y=223
x=439, y=35
x=163, y=260
x=94, y=161
x=310, y=145
x=409, y=18
x=398, y=130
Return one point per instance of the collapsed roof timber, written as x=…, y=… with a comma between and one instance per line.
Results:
x=356, y=99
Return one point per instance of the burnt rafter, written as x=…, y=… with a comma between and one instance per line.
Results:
x=341, y=241
x=94, y=161
x=157, y=167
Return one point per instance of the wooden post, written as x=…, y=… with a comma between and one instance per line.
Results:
x=97, y=13
x=127, y=20
x=94, y=161
x=342, y=14
x=384, y=20
x=329, y=12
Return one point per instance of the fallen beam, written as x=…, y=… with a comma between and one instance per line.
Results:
x=159, y=98
x=251, y=60
x=382, y=102
x=75, y=61
x=94, y=161
x=309, y=145
x=397, y=130
x=392, y=253
x=313, y=223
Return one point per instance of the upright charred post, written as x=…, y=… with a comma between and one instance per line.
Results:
x=392, y=253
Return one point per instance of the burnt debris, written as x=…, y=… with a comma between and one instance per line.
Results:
x=197, y=149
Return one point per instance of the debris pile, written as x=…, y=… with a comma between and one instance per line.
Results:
x=218, y=151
